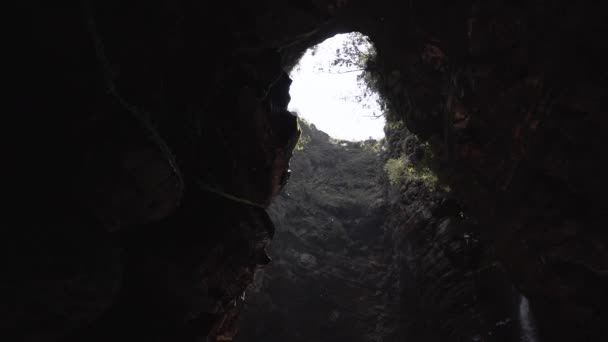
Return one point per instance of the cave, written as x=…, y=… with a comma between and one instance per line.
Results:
x=329, y=279
x=153, y=136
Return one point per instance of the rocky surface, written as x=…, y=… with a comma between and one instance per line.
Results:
x=451, y=284
x=514, y=111
x=329, y=278
x=358, y=258
x=150, y=136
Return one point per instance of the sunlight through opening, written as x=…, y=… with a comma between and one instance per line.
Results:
x=330, y=89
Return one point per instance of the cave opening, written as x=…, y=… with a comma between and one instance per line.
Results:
x=364, y=227
x=333, y=88
x=154, y=137
x=330, y=261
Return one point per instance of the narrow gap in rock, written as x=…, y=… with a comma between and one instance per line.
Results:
x=329, y=257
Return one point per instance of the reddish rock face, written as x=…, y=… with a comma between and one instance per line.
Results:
x=150, y=132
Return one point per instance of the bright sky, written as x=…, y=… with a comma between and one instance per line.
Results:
x=327, y=99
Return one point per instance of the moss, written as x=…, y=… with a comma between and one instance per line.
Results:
x=401, y=170
x=302, y=142
x=395, y=170
x=394, y=125
x=304, y=127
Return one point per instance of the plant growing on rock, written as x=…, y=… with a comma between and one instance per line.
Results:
x=401, y=170
x=304, y=137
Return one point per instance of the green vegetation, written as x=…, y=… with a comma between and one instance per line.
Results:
x=358, y=54
x=401, y=170
x=302, y=142
x=395, y=125
x=303, y=126
x=395, y=170
x=371, y=145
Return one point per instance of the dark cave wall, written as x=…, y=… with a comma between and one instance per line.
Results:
x=154, y=151
x=150, y=138
x=451, y=287
x=514, y=110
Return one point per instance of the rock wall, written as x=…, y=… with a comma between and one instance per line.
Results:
x=329, y=279
x=154, y=136
x=451, y=285
x=513, y=110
